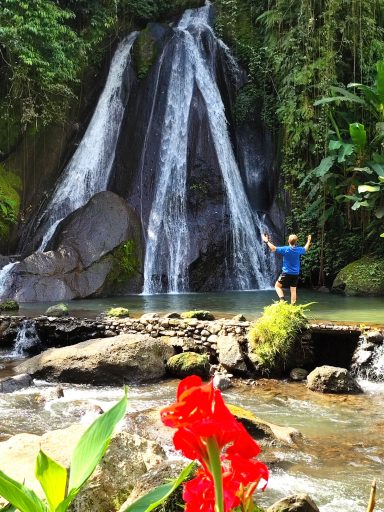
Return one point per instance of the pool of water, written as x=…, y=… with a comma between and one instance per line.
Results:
x=342, y=451
x=326, y=306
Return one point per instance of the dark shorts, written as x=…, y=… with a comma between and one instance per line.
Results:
x=288, y=280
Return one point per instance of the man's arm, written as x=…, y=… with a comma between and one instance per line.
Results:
x=270, y=244
x=306, y=246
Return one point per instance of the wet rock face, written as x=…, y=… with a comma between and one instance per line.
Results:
x=295, y=503
x=80, y=258
x=330, y=379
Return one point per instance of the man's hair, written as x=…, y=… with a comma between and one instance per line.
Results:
x=292, y=239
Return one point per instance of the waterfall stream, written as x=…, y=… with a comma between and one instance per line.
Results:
x=89, y=169
x=26, y=338
x=6, y=278
x=168, y=217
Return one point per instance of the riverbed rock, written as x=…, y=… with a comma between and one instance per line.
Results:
x=80, y=257
x=11, y=384
x=295, y=503
x=230, y=355
x=298, y=374
x=58, y=310
x=363, y=277
x=376, y=337
x=259, y=428
x=123, y=358
x=127, y=459
x=222, y=381
x=331, y=379
x=9, y=305
x=188, y=363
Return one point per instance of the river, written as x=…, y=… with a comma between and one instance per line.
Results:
x=369, y=310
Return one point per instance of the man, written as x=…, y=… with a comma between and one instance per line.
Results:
x=289, y=276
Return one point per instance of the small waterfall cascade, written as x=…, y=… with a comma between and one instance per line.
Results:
x=167, y=223
x=26, y=338
x=368, y=360
x=89, y=169
x=6, y=278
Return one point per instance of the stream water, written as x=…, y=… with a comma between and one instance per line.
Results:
x=368, y=310
x=343, y=448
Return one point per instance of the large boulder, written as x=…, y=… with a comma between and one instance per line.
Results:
x=11, y=384
x=127, y=459
x=85, y=254
x=230, y=354
x=295, y=503
x=361, y=278
x=331, y=379
x=123, y=358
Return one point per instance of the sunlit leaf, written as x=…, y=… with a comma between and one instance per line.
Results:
x=368, y=188
x=334, y=144
x=345, y=150
x=53, y=479
x=157, y=496
x=19, y=496
x=358, y=134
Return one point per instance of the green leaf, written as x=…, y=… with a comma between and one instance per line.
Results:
x=324, y=166
x=334, y=144
x=378, y=168
x=382, y=235
x=93, y=444
x=379, y=212
x=157, y=496
x=8, y=508
x=19, y=496
x=358, y=134
x=345, y=150
x=380, y=80
x=53, y=479
x=368, y=188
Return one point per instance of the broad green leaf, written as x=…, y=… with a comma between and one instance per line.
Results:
x=368, y=188
x=345, y=150
x=324, y=166
x=381, y=178
x=379, y=212
x=367, y=170
x=358, y=134
x=334, y=144
x=19, y=496
x=378, y=168
x=8, y=508
x=382, y=235
x=157, y=496
x=357, y=205
x=380, y=80
x=53, y=479
x=93, y=444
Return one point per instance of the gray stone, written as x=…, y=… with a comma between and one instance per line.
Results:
x=331, y=379
x=239, y=318
x=11, y=384
x=222, y=381
x=123, y=358
x=57, y=310
x=298, y=374
x=375, y=337
x=229, y=354
x=295, y=503
x=172, y=315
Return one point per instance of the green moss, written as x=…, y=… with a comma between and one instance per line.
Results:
x=118, y=312
x=361, y=277
x=273, y=336
x=57, y=310
x=145, y=52
x=188, y=363
x=125, y=263
x=199, y=314
x=9, y=305
x=10, y=186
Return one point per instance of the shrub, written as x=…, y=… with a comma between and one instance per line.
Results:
x=272, y=337
x=10, y=186
x=9, y=305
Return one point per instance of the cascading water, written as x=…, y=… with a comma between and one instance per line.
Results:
x=26, y=338
x=89, y=169
x=167, y=223
x=6, y=278
x=368, y=360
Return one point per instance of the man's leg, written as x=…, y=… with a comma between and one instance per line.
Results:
x=279, y=290
x=293, y=294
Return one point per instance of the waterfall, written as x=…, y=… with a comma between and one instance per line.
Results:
x=6, y=278
x=368, y=360
x=26, y=338
x=167, y=225
x=89, y=169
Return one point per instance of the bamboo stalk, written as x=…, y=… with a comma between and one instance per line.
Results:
x=372, y=497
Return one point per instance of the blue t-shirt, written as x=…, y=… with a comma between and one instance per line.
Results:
x=291, y=258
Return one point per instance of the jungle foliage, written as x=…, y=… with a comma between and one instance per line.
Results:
x=298, y=53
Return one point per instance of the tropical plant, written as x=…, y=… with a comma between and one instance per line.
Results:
x=61, y=486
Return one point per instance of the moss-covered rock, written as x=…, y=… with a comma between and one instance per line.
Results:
x=10, y=187
x=146, y=49
x=274, y=336
x=117, y=312
x=125, y=263
x=361, y=277
x=188, y=363
x=9, y=305
x=199, y=314
x=58, y=310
